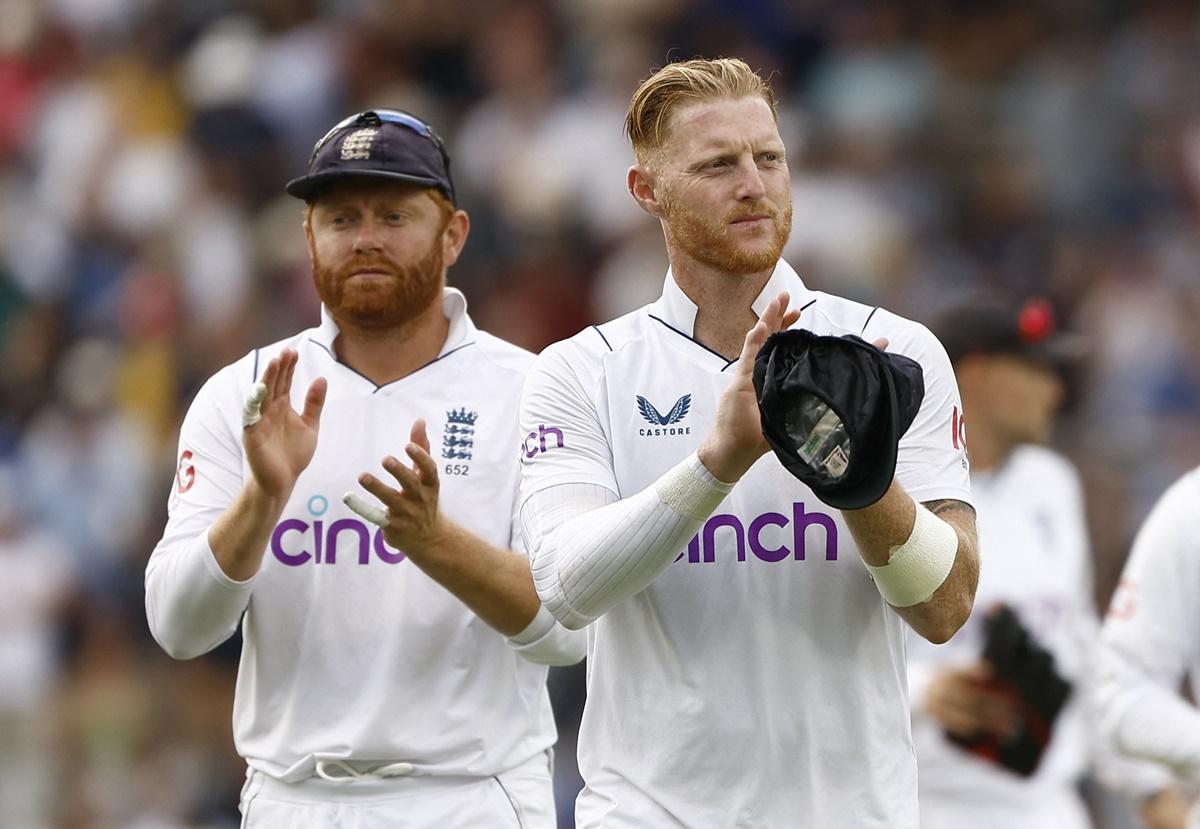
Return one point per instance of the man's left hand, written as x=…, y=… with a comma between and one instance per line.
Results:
x=409, y=516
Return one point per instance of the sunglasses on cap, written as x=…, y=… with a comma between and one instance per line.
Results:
x=378, y=117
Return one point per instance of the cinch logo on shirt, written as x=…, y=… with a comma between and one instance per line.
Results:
x=702, y=548
x=652, y=416
x=295, y=542
x=535, y=442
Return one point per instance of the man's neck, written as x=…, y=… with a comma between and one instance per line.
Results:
x=723, y=302
x=386, y=355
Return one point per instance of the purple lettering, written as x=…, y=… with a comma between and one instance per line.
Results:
x=544, y=431
x=384, y=552
x=775, y=519
x=326, y=542
x=702, y=548
x=530, y=451
x=364, y=541
x=710, y=531
x=285, y=526
x=802, y=520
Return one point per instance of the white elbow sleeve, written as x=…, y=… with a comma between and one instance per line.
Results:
x=917, y=568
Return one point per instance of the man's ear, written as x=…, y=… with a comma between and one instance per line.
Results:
x=455, y=236
x=308, y=231
x=643, y=186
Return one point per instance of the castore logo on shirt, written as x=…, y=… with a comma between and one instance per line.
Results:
x=676, y=414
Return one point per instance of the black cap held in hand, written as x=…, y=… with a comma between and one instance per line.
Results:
x=834, y=409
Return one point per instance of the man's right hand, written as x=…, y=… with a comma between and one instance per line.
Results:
x=280, y=442
x=962, y=703
x=736, y=440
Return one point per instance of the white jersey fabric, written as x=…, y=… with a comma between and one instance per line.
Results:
x=1150, y=640
x=1034, y=557
x=759, y=681
x=350, y=652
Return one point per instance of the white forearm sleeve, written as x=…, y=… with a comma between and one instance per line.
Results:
x=191, y=605
x=546, y=642
x=587, y=555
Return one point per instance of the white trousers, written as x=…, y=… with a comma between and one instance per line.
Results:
x=520, y=798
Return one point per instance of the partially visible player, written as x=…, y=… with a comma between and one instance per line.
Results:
x=985, y=759
x=1150, y=647
x=393, y=670
x=744, y=668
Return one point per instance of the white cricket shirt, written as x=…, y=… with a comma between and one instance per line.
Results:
x=1034, y=557
x=350, y=651
x=759, y=681
x=1150, y=642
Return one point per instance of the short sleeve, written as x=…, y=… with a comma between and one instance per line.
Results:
x=932, y=459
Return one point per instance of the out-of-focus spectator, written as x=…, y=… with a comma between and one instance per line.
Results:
x=38, y=582
x=85, y=468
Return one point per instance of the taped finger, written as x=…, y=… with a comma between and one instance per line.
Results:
x=252, y=408
x=374, y=513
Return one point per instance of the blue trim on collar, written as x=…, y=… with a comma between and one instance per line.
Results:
x=690, y=338
x=863, y=330
x=378, y=388
x=601, y=333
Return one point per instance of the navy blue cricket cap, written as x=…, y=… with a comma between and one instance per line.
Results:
x=377, y=143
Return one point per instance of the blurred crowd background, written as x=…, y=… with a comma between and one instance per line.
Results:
x=1047, y=147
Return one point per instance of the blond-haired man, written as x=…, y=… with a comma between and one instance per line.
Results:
x=745, y=668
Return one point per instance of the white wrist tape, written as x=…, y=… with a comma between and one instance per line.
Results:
x=252, y=408
x=917, y=568
x=691, y=490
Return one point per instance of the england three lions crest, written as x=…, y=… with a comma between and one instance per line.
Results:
x=458, y=438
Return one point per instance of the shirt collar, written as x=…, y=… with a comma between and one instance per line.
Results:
x=454, y=307
x=678, y=310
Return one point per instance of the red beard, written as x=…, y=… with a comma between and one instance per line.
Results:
x=713, y=245
x=382, y=303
